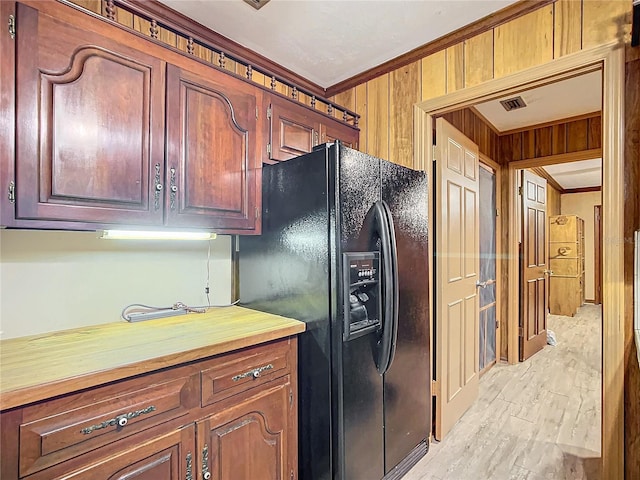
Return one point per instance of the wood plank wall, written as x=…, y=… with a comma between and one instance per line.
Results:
x=552, y=31
x=563, y=137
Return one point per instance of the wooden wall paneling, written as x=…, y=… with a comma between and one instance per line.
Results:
x=482, y=136
x=469, y=125
x=434, y=75
x=632, y=223
x=543, y=137
x=378, y=116
x=558, y=139
x=604, y=21
x=524, y=42
x=347, y=99
x=455, y=67
x=577, y=136
x=92, y=5
x=361, y=109
x=528, y=144
x=567, y=27
x=167, y=37
x=142, y=25
x=404, y=89
x=478, y=59
x=124, y=17
x=594, y=134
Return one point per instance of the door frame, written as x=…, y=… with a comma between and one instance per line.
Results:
x=597, y=245
x=489, y=163
x=610, y=60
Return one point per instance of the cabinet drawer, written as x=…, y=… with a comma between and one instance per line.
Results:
x=60, y=429
x=222, y=378
x=565, y=266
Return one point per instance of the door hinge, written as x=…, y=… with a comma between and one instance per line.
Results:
x=269, y=149
x=12, y=192
x=520, y=332
x=520, y=191
x=433, y=153
x=497, y=212
x=497, y=324
x=268, y=112
x=12, y=26
x=435, y=388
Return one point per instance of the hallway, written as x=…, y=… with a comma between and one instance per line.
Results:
x=536, y=420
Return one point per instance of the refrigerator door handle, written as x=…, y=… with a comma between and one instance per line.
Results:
x=393, y=254
x=383, y=227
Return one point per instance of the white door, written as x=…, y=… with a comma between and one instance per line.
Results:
x=457, y=271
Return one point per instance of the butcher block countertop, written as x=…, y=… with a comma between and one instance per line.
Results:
x=42, y=366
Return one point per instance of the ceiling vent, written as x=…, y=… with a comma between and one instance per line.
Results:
x=257, y=4
x=513, y=103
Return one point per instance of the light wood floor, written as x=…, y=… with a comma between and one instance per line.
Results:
x=539, y=419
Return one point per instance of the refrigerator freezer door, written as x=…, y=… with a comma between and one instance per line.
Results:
x=407, y=384
x=360, y=420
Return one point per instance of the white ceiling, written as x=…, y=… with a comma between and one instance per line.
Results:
x=327, y=41
x=586, y=173
x=556, y=101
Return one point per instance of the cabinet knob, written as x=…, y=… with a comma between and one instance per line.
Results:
x=122, y=421
x=255, y=373
x=159, y=187
x=207, y=475
x=174, y=188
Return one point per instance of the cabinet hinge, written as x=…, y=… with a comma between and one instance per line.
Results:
x=268, y=112
x=257, y=214
x=269, y=149
x=290, y=398
x=12, y=26
x=12, y=192
x=291, y=476
x=256, y=112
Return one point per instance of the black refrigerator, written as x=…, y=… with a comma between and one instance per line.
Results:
x=344, y=249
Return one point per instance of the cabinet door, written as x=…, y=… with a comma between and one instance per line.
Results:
x=295, y=130
x=213, y=172
x=89, y=122
x=253, y=438
x=167, y=457
x=332, y=131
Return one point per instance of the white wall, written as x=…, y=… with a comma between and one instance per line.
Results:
x=52, y=280
x=581, y=204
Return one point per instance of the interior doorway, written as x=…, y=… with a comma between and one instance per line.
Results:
x=611, y=62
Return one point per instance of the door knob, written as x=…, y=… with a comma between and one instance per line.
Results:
x=481, y=284
x=548, y=272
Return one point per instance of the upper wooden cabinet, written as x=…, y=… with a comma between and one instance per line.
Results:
x=109, y=132
x=212, y=162
x=296, y=129
x=89, y=131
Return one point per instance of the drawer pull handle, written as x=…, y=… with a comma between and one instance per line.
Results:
x=189, y=467
x=255, y=373
x=120, y=420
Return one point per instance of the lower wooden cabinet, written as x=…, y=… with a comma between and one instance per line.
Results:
x=168, y=457
x=257, y=428
x=164, y=425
